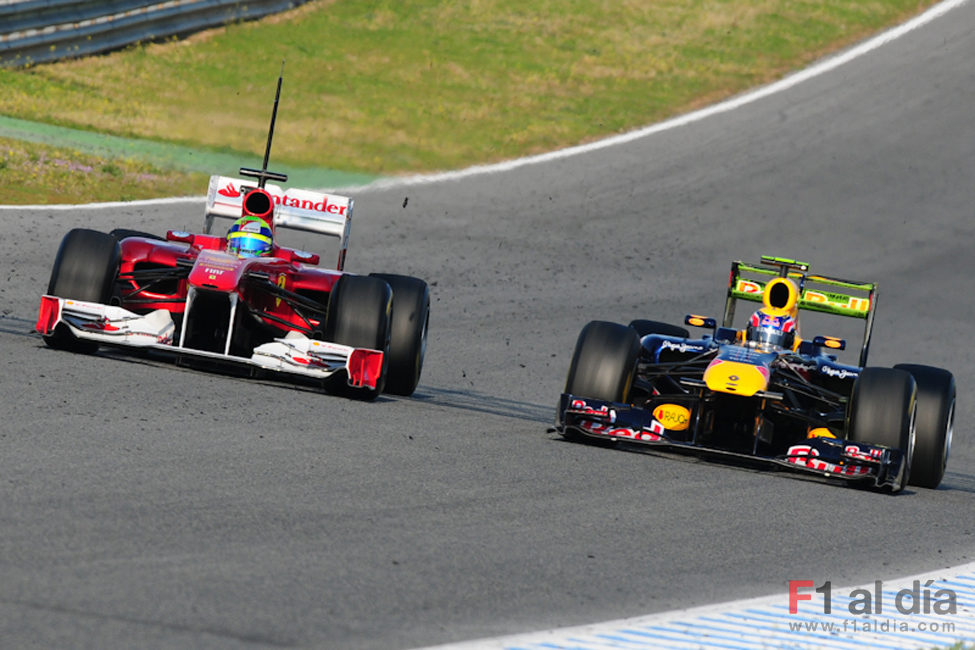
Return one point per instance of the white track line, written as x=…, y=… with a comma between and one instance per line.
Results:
x=823, y=67
x=102, y=206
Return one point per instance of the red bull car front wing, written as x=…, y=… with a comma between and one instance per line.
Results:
x=664, y=425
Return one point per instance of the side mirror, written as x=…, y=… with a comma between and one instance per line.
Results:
x=700, y=321
x=179, y=235
x=830, y=342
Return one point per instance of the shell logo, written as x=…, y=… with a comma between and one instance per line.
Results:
x=820, y=432
x=673, y=416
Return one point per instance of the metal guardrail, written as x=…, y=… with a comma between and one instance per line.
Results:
x=40, y=31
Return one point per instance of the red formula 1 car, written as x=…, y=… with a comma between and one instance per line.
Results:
x=242, y=299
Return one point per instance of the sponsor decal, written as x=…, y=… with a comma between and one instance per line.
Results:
x=735, y=377
x=916, y=599
x=747, y=286
x=306, y=204
x=582, y=408
x=309, y=361
x=785, y=323
x=100, y=325
x=232, y=192
x=217, y=260
x=253, y=226
x=681, y=346
x=820, y=432
x=806, y=456
x=839, y=373
x=324, y=347
x=856, y=453
x=229, y=191
x=742, y=355
x=797, y=364
x=852, y=303
x=673, y=416
x=601, y=429
x=282, y=281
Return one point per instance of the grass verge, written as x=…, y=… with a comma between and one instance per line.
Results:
x=37, y=174
x=397, y=86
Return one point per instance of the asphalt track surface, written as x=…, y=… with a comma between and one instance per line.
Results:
x=145, y=505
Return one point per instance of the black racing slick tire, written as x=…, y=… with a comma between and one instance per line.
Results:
x=604, y=362
x=882, y=411
x=645, y=327
x=85, y=268
x=359, y=311
x=408, y=338
x=935, y=423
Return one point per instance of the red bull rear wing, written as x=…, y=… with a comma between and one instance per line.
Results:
x=818, y=293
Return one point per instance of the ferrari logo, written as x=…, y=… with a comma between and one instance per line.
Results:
x=282, y=281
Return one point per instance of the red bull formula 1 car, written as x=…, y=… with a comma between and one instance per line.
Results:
x=207, y=297
x=763, y=393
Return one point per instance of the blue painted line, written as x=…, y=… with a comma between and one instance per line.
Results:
x=782, y=625
x=752, y=637
x=661, y=636
x=763, y=631
x=663, y=632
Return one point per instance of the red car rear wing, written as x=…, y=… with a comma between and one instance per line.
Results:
x=318, y=212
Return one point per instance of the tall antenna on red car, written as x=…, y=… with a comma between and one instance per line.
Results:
x=263, y=175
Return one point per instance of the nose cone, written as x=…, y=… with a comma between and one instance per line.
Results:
x=736, y=378
x=218, y=271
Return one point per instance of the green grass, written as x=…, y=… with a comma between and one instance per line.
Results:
x=399, y=86
x=36, y=174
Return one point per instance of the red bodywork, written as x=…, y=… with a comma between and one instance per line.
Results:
x=214, y=270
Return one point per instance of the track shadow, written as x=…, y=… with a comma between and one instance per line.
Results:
x=17, y=326
x=957, y=481
x=477, y=402
x=171, y=361
x=467, y=400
